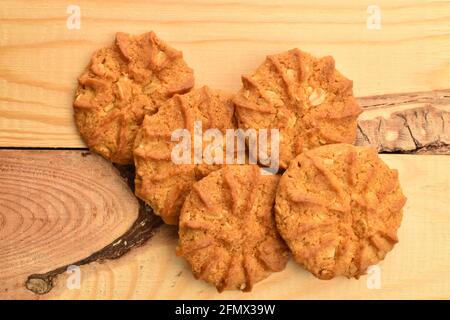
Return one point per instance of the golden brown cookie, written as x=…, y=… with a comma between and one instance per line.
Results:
x=122, y=83
x=338, y=207
x=160, y=182
x=306, y=98
x=227, y=228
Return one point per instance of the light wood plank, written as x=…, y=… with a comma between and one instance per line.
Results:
x=418, y=267
x=40, y=58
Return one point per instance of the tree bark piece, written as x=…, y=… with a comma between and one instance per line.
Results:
x=59, y=207
x=406, y=123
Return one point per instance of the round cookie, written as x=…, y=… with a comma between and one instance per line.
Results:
x=122, y=83
x=160, y=181
x=227, y=229
x=304, y=97
x=338, y=207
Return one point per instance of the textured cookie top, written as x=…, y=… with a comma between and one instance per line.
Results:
x=160, y=182
x=306, y=98
x=227, y=229
x=339, y=207
x=122, y=83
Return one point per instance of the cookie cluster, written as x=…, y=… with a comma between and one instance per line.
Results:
x=334, y=207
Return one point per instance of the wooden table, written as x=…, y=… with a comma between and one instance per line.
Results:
x=60, y=207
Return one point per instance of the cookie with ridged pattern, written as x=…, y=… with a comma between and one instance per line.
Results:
x=122, y=83
x=304, y=97
x=162, y=182
x=227, y=229
x=338, y=207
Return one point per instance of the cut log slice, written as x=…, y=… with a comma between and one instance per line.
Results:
x=56, y=208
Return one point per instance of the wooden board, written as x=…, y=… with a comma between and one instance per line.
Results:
x=40, y=58
x=401, y=73
x=416, y=268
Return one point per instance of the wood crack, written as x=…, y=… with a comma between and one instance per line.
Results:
x=406, y=123
x=416, y=143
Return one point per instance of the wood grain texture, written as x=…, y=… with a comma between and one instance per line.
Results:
x=416, y=268
x=56, y=207
x=40, y=58
x=140, y=232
